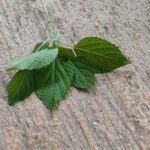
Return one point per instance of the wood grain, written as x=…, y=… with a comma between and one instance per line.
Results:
x=113, y=116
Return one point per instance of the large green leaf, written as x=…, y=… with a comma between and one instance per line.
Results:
x=83, y=76
x=35, y=60
x=20, y=87
x=53, y=82
x=101, y=54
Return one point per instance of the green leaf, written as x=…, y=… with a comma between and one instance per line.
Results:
x=83, y=76
x=20, y=87
x=54, y=37
x=43, y=45
x=101, y=54
x=40, y=46
x=66, y=53
x=35, y=60
x=53, y=82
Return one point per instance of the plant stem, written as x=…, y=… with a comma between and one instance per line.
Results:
x=51, y=24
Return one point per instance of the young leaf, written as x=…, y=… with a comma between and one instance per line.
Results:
x=83, y=76
x=35, y=60
x=40, y=46
x=54, y=37
x=101, y=54
x=66, y=53
x=20, y=87
x=53, y=82
x=43, y=45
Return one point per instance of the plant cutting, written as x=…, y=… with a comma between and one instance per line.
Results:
x=53, y=67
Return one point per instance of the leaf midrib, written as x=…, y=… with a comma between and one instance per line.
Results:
x=97, y=54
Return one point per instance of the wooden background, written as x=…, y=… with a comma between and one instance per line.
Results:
x=113, y=116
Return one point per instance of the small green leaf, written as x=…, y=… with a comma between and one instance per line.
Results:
x=53, y=82
x=54, y=37
x=64, y=50
x=45, y=45
x=66, y=53
x=40, y=46
x=20, y=87
x=35, y=60
x=83, y=76
x=101, y=54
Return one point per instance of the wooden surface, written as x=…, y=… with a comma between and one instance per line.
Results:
x=113, y=116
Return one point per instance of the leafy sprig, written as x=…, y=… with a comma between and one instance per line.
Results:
x=52, y=68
